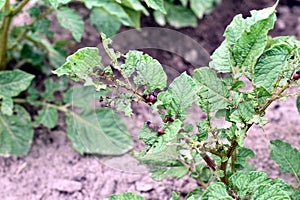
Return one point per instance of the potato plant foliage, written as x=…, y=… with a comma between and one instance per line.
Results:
x=31, y=42
x=215, y=156
x=31, y=46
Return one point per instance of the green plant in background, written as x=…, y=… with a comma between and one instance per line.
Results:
x=32, y=44
x=183, y=14
x=214, y=156
x=32, y=41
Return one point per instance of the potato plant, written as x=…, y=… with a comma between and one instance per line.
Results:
x=32, y=47
x=214, y=156
x=31, y=42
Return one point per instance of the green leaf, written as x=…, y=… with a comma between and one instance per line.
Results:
x=7, y=106
x=180, y=95
x=98, y=131
x=123, y=104
x=55, y=3
x=112, y=8
x=184, y=2
x=126, y=196
x=179, y=16
x=236, y=28
x=258, y=186
x=222, y=60
x=201, y=7
x=273, y=192
x=245, y=40
x=217, y=191
x=162, y=173
x=195, y=194
x=150, y=73
x=296, y=194
x=160, y=156
x=34, y=11
x=242, y=156
x=12, y=83
x=157, y=5
x=244, y=113
x=183, y=89
x=135, y=17
x=56, y=58
x=82, y=96
x=298, y=103
x=2, y=2
x=270, y=65
x=133, y=58
x=70, y=20
x=286, y=157
x=48, y=116
x=33, y=95
x=43, y=26
x=53, y=86
x=32, y=55
x=213, y=93
x=175, y=196
x=252, y=42
x=135, y=5
x=159, y=18
x=16, y=133
x=114, y=55
x=81, y=64
x=104, y=22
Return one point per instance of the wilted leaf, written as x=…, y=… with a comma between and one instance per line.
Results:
x=81, y=65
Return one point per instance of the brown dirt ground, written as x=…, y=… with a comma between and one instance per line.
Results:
x=52, y=170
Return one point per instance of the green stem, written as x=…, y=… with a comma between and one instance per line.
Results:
x=63, y=108
x=19, y=8
x=23, y=34
x=9, y=14
x=4, y=35
x=276, y=95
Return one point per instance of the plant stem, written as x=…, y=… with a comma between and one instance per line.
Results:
x=4, y=35
x=23, y=34
x=9, y=14
x=276, y=95
x=19, y=8
x=43, y=103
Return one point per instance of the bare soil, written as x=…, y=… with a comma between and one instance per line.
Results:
x=52, y=170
